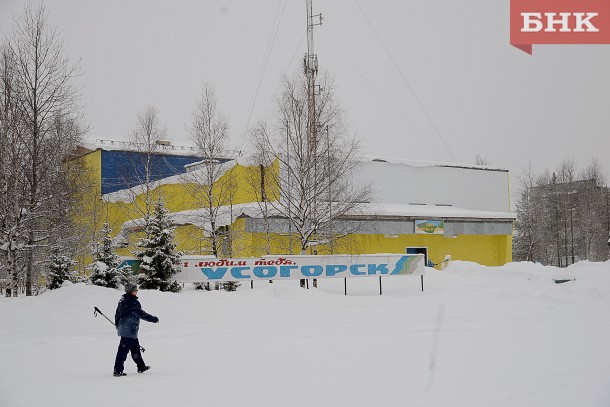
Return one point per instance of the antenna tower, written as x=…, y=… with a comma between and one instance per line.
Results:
x=310, y=64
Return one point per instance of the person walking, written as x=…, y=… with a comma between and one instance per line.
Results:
x=127, y=320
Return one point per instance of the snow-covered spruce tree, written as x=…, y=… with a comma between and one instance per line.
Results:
x=160, y=260
x=230, y=285
x=104, y=270
x=59, y=270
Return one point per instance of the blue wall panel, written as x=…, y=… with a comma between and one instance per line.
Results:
x=125, y=169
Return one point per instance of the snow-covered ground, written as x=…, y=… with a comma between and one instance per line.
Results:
x=476, y=336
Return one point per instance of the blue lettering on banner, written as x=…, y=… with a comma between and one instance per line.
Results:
x=212, y=274
x=237, y=272
x=285, y=270
x=305, y=271
x=312, y=271
x=265, y=272
x=354, y=269
x=374, y=268
x=334, y=269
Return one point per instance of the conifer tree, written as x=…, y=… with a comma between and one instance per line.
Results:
x=230, y=285
x=59, y=270
x=160, y=260
x=105, y=263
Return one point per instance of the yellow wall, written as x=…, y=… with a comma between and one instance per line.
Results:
x=182, y=195
x=93, y=163
x=89, y=216
x=489, y=250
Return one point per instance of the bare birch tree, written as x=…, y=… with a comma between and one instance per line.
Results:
x=259, y=181
x=146, y=136
x=209, y=131
x=567, y=175
x=12, y=227
x=592, y=214
x=317, y=189
x=46, y=106
x=527, y=224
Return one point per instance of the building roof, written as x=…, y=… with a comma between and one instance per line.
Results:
x=163, y=147
x=367, y=210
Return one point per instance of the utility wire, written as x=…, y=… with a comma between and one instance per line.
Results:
x=271, y=42
x=404, y=78
x=266, y=111
x=295, y=53
x=286, y=70
x=382, y=97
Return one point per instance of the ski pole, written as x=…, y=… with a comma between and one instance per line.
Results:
x=96, y=311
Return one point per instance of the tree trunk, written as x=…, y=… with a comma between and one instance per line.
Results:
x=11, y=274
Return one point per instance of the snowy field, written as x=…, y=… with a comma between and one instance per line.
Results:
x=476, y=336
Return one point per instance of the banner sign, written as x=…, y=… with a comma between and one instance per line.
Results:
x=559, y=22
x=130, y=262
x=430, y=227
x=206, y=269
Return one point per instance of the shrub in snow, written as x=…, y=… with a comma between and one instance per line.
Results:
x=160, y=260
x=103, y=269
x=59, y=270
x=230, y=285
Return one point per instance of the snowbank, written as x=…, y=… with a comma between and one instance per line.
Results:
x=477, y=336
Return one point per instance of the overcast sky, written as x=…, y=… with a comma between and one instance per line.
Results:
x=389, y=59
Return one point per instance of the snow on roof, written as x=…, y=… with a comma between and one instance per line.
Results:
x=198, y=217
x=246, y=161
x=226, y=214
x=429, y=211
x=196, y=174
x=120, y=145
x=422, y=163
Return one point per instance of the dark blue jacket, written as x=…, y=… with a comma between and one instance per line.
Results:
x=128, y=314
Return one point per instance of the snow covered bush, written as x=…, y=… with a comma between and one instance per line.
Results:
x=160, y=260
x=103, y=269
x=59, y=270
x=230, y=285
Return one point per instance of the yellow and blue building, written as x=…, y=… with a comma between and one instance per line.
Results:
x=443, y=210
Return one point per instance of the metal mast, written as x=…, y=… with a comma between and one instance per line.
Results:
x=310, y=64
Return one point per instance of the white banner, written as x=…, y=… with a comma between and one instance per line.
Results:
x=205, y=268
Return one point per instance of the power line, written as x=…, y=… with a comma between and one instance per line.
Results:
x=404, y=78
x=382, y=97
x=271, y=42
x=296, y=51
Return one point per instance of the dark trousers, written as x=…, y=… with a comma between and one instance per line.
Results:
x=125, y=346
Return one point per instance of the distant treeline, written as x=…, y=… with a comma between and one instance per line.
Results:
x=562, y=216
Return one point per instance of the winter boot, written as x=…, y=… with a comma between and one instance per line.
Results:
x=143, y=369
x=119, y=374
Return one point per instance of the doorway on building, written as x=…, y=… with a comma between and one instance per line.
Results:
x=419, y=250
